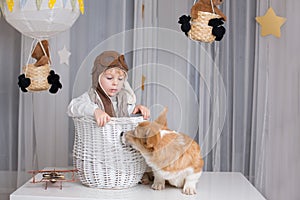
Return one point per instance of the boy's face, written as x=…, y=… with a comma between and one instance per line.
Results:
x=112, y=81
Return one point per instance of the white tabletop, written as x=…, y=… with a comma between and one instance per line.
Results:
x=211, y=186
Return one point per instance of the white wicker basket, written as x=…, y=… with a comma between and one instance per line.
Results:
x=100, y=157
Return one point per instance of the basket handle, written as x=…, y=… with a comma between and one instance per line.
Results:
x=211, y=3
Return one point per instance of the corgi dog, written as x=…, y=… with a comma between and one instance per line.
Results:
x=173, y=156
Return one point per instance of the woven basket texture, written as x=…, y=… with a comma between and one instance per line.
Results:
x=38, y=77
x=200, y=31
x=101, y=158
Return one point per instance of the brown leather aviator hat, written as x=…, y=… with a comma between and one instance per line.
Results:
x=107, y=60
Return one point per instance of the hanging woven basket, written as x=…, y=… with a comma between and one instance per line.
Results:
x=37, y=74
x=203, y=24
x=38, y=77
x=200, y=30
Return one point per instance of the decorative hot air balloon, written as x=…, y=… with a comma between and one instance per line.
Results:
x=41, y=19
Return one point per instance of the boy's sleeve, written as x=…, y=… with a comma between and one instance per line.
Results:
x=130, y=108
x=82, y=106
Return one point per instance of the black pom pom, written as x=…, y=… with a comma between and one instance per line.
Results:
x=218, y=30
x=53, y=80
x=185, y=23
x=23, y=82
x=215, y=22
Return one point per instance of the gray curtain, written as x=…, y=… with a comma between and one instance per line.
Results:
x=10, y=47
x=235, y=58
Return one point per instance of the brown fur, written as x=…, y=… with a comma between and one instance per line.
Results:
x=39, y=55
x=172, y=153
x=205, y=6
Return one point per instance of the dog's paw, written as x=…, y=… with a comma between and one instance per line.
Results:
x=158, y=186
x=145, y=181
x=189, y=190
x=147, y=178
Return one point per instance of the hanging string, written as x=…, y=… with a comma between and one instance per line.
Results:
x=42, y=46
x=31, y=47
x=44, y=51
x=212, y=6
x=34, y=43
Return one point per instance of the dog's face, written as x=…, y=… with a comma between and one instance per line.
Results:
x=146, y=135
x=143, y=137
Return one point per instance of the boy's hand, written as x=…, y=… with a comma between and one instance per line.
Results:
x=101, y=117
x=143, y=110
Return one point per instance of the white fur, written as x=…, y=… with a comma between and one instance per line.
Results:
x=164, y=132
x=185, y=179
x=190, y=183
x=174, y=175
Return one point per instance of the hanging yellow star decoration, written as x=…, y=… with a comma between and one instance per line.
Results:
x=270, y=23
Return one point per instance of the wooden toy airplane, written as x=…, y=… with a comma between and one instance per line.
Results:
x=53, y=176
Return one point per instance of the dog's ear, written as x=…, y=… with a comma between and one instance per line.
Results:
x=162, y=118
x=152, y=141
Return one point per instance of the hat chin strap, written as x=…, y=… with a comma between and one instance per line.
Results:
x=106, y=101
x=99, y=82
